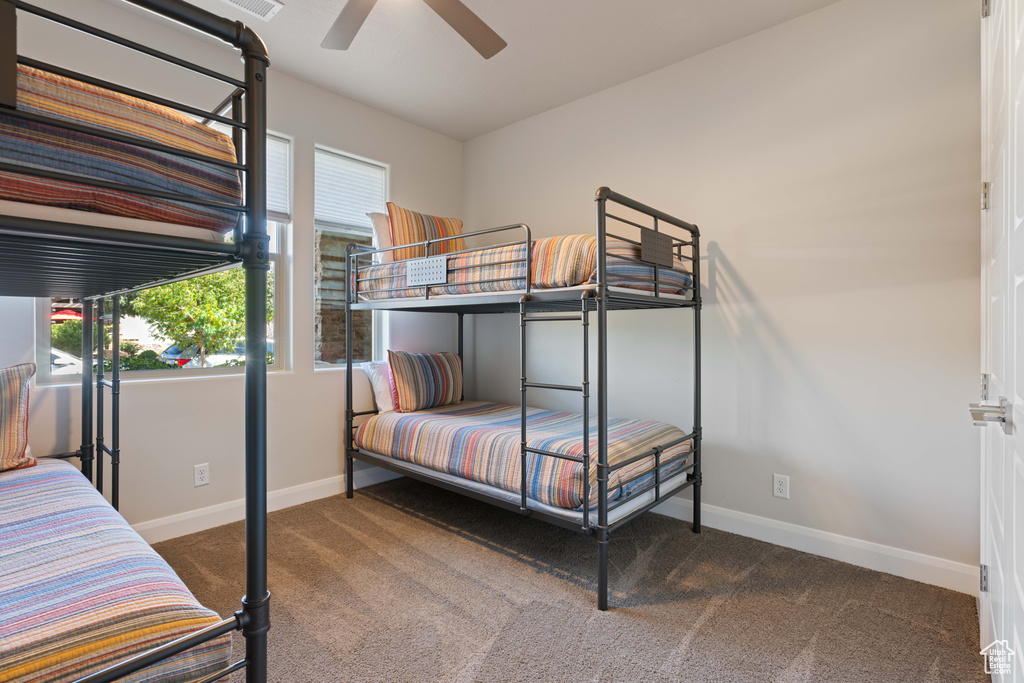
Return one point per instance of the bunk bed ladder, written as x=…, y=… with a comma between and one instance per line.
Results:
x=584, y=389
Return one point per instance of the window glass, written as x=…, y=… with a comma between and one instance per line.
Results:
x=187, y=325
x=329, y=313
x=346, y=190
x=194, y=324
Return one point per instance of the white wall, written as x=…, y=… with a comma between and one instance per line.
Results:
x=168, y=426
x=832, y=164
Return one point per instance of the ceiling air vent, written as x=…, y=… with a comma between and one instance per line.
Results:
x=264, y=9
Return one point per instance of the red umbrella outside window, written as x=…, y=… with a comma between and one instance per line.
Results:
x=66, y=314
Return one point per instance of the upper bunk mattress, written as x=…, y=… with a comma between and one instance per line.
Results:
x=81, y=591
x=566, y=261
x=52, y=148
x=480, y=441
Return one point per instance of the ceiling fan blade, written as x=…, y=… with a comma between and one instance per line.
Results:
x=469, y=26
x=347, y=25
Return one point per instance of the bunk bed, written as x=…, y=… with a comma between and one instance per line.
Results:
x=106, y=190
x=590, y=473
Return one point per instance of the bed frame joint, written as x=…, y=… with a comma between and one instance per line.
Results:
x=255, y=616
x=255, y=251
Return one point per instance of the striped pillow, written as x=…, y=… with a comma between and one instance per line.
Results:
x=14, y=385
x=409, y=227
x=425, y=380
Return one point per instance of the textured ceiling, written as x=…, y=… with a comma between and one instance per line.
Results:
x=407, y=61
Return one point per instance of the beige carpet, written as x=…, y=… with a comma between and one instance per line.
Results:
x=407, y=582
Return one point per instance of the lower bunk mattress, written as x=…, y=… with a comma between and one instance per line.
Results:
x=480, y=442
x=80, y=591
x=52, y=148
x=556, y=262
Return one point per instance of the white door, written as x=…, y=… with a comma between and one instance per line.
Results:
x=1002, y=476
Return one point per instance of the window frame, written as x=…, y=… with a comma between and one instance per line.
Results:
x=281, y=260
x=380, y=321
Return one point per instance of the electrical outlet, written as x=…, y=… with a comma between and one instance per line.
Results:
x=780, y=486
x=201, y=474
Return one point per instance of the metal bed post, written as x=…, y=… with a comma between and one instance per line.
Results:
x=115, y=406
x=350, y=284
x=101, y=335
x=602, y=407
x=522, y=403
x=696, y=474
x=462, y=363
x=86, y=451
x=585, y=320
x=256, y=261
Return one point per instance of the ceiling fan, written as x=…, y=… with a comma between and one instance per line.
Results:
x=459, y=17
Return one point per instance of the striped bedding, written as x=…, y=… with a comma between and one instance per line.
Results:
x=51, y=148
x=81, y=591
x=565, y=261
x=480, y=441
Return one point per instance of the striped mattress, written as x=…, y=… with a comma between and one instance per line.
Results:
x=81, y=591
x=50, y=148
x=566, y=261
x=480, y=441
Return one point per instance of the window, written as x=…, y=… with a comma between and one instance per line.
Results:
x=347, y=188
x=183, y=327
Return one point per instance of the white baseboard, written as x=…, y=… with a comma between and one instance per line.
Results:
x=936, y=571
x=166, y=528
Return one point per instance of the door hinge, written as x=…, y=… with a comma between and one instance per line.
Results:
x=985, y=188
x=984, y=386
x=984, y=579
x=986, y=8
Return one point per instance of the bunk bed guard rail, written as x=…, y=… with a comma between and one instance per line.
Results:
x=248, y=120
x=666, y=244
x=434, y=269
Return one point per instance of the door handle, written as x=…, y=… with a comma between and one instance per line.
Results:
x=1000, y=414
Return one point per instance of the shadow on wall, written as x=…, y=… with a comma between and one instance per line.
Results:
x=765, y=359
x=765, y=411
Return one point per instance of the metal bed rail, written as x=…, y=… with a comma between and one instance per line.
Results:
x=150, y=657
x=572, y=522
x=233, y=33
x=658, y=472
x=667, y=243
x=360, y=258
x=675, y=249
x=126, y=252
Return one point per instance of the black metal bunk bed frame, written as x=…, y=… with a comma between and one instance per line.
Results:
x=41, y=258
x=658, y=249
